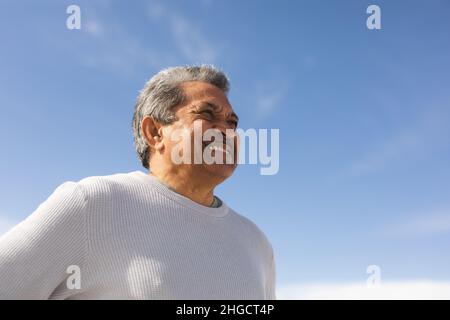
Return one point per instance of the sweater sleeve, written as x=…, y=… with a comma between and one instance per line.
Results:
x=271, y=280
x=35, y=254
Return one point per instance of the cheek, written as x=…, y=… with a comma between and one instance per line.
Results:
x=180, y=136
x=174, y=135
x=184, y=135
x=197, y=129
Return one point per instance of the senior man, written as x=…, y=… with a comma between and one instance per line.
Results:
x=156, y=235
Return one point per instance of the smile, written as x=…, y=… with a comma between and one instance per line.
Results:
x=219, y=148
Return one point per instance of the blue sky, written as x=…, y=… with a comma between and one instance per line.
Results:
x=363, y=116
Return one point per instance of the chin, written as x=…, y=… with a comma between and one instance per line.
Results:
x=221, y=171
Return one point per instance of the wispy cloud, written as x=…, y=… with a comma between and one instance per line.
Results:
x=187, y=37
x=110, y=45
x=190, y=41
x=117, y=50
x=397, y=147
x=269, y=95
x=435, y=223
x=390, y=290
x=267, y=102
x=94, y=28
x=429, y=131
x=309, y=61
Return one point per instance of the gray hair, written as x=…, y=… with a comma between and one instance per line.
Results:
x=163, y=92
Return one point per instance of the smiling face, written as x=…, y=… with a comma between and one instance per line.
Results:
x=207, y=110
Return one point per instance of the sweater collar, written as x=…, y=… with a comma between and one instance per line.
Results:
x=177, y=197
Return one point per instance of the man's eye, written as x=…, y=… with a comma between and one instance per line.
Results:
x=207, y=112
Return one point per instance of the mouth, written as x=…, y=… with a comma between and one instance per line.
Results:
x=219, y=148
x=224, y=146
x=216, y=147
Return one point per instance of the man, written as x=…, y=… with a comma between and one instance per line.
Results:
x=161, y=235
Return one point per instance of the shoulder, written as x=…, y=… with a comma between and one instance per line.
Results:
x=99, y=187
x=67, y=197
x=96, y=193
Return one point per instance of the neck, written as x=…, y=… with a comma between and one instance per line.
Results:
x=186, y=185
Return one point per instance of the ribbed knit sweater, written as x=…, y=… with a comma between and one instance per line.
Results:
x=128, y=236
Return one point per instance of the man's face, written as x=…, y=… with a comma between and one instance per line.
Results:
x=206, y=110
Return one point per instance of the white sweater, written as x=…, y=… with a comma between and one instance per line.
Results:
x=128, y=236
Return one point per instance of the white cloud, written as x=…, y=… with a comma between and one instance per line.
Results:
x=389, y=290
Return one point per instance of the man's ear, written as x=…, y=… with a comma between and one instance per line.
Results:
x=151, y=130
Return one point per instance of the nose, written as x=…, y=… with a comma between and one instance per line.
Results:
x=229, y=137
x=223, y=126
x=226, y=130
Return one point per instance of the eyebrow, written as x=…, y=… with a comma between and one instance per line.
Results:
x=216, y=107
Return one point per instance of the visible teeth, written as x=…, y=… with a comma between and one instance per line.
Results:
x=220, y=149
